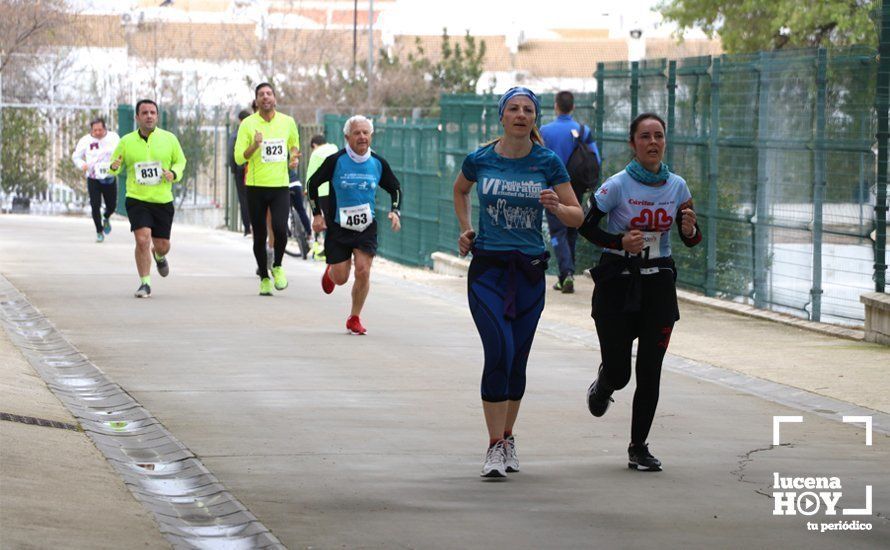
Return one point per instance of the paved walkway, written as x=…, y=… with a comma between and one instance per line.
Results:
x=375, y=442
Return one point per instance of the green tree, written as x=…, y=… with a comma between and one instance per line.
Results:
x=25, y=147
x=197, y=146
x=460, y=67
x=417, y=81
x=754, y=25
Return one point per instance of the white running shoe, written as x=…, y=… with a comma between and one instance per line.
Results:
x=511, y=459
x=494, y=461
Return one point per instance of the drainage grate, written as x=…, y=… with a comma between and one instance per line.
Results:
x=39, y=422
x=192, y=508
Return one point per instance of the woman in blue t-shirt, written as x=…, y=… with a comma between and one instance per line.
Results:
x=517, y=178
x=635, y=295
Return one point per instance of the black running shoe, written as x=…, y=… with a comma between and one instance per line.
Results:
x=639, y=458
x=598, y=397
x=163, y=266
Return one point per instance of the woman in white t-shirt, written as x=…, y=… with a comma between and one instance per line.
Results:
x=635, y=295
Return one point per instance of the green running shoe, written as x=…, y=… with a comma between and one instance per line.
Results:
x=280, y=277
x=106, y=226
x=266, y=287
x=317, y=251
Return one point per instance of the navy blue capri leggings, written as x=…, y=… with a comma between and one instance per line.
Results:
x=506, y=342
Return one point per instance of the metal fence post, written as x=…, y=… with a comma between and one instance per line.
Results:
x=713, y=172
x=882, y=103
x=671, y=114
x=761, y=219
x=125, y=125
x=819, y=170
x=634, y=89
x=600, y=111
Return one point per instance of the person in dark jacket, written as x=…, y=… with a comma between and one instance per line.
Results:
x=238, y=175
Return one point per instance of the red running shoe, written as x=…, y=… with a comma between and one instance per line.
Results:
x=354, y=325
x=327, y=284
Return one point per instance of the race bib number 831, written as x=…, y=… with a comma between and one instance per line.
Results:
x=148, y=173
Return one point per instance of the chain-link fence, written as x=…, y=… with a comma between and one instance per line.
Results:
x=778, y=149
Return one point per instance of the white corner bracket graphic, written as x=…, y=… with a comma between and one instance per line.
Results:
x=779, y=420
x=864, y=420
x=861, y=511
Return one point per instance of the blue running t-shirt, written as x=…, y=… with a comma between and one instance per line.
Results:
x=509, y=191
x=355, y=183
x=352, y=188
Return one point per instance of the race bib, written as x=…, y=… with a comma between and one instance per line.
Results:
x=273, y=150
x=651, y=245
x=356, y=218
x=100, y=169
x=148, y=173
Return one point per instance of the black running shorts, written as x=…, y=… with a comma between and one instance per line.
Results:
x=339, y=243
x=157, y=216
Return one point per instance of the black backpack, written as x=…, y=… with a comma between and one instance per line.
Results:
x=582, y=166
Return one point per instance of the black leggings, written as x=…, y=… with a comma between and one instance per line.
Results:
x=99, y=191
x=651, y=326
x=276, y=200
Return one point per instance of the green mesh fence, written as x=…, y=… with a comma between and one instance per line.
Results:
x=777, y=149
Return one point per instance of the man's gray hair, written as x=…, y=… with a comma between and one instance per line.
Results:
x=356, y=118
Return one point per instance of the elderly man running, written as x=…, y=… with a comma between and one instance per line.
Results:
x=347, y=213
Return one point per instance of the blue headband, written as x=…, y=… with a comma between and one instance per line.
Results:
x=517, y=91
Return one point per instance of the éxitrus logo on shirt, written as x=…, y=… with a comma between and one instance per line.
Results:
x=811, y=495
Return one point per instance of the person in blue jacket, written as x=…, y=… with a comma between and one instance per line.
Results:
x=516, y=180
x=561, y=136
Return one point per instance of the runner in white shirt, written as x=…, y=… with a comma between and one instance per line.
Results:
x=93, y=156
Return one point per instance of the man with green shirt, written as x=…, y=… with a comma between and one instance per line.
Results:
x=265, y=141
x=154, y=161
x=321, y=150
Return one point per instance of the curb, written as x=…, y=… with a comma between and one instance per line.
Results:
x=448, y=264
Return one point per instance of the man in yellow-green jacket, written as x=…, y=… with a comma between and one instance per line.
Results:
x=154, y=161
x=269, y=143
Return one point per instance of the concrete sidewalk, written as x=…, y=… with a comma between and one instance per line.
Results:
x=375, y=441
x=56, y=489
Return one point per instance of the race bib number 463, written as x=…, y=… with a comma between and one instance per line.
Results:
x=148, y=173
x=356, y=218
x=273, y=150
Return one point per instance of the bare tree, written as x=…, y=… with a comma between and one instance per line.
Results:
x=27, y=25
